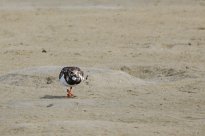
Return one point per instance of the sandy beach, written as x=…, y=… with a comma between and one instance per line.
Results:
x=145, y=63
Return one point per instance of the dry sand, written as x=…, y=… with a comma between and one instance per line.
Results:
x=145, y=62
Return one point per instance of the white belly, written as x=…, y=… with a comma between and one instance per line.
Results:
x=63, y=82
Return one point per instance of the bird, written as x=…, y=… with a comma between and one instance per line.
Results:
x=70, y=77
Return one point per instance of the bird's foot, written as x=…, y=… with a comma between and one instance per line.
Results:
x=70, y=94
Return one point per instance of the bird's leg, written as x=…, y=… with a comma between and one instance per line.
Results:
x=70, y=93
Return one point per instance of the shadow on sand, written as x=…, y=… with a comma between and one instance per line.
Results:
x=56, y=97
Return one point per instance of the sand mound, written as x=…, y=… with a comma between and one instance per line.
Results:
x=158, y=73
x=47, y=76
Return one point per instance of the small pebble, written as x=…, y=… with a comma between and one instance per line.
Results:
x=50, y=105
x=44, y=51
x=48, y=80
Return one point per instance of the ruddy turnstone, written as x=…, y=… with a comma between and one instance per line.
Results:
x=71, y=76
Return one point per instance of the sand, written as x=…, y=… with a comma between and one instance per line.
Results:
x=145, y=63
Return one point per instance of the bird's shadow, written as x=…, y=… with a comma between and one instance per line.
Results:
x=55, y=97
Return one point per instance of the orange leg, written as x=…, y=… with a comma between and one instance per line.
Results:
x=69, y=92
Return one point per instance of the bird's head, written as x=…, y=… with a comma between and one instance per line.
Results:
x=76, y=76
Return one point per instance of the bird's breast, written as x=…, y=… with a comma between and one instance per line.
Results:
x=63, y=81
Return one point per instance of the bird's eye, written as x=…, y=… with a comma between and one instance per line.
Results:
x=72, y=74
